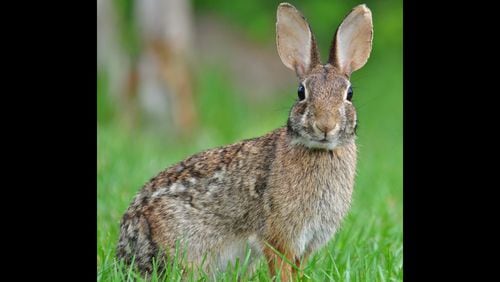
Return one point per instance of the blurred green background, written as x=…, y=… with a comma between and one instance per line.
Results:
x=241, y=90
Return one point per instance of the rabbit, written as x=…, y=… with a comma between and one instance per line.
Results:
x=282, y=195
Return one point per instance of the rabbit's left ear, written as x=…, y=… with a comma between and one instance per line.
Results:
x=295, y=41
x=352, y=42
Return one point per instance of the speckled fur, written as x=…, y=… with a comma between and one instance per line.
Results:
x=268, y=191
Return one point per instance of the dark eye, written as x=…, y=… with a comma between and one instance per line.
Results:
x=349, y=94
x=302, y=92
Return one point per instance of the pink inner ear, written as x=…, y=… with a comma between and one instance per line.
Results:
x=294, y=40
x=353, y=40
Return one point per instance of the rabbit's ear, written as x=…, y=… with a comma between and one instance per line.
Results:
x=296, y=45
x=352, y=42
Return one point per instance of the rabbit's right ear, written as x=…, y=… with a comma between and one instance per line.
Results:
x=352, y=42
x=295, y=41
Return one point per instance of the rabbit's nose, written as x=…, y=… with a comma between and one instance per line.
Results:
x=326, y=127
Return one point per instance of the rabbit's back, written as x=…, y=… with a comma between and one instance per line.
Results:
x=211, y=200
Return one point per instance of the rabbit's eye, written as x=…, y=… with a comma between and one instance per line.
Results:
x=349, y=94
x=302, y=92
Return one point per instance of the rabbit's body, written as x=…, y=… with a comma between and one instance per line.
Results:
x=222, y=200
x=212, y=200
x=285, y=192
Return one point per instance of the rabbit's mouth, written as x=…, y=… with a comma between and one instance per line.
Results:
x=316, y=143
x=328, y=144
x=331, y=142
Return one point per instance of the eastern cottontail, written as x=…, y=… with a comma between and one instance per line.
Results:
x=289, y=189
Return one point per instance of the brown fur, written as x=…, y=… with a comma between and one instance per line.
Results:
x=287, y=190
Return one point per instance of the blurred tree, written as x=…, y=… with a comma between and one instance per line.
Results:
x=150, y=63
x=164, y=65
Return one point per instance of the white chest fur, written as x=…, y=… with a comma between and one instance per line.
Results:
x=312, y=196
x=327, y=213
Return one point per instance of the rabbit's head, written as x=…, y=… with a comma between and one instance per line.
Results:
x=323, y=116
